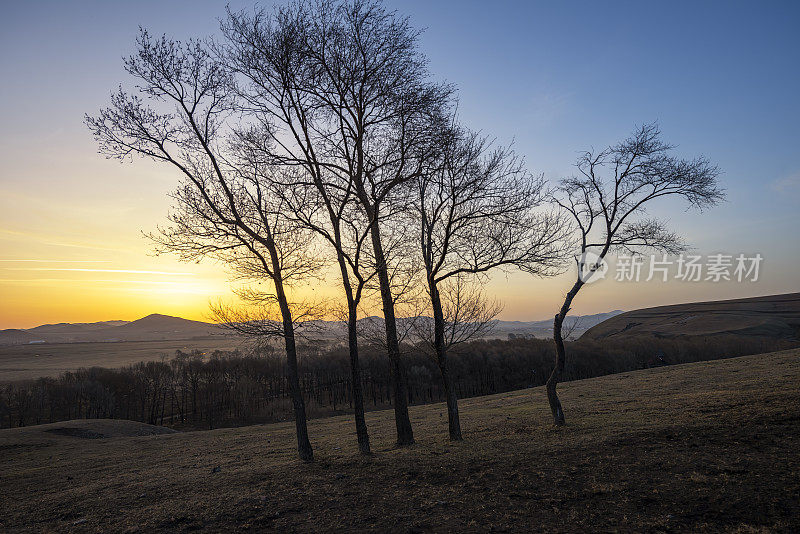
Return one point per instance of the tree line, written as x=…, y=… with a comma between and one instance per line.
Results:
x=205, y=391
x=312, y=142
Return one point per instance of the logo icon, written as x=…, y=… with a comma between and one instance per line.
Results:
x=591, y=267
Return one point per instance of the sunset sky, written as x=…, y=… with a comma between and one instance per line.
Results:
x=721, y=78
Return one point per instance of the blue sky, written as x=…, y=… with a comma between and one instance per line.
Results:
x=721, y=78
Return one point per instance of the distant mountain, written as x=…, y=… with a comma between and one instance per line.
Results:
x=502, y=329
x=577, y=324
x=154, y=327
x=774, y=316
x=62, y=327
x=157, y=327
x=72, y=332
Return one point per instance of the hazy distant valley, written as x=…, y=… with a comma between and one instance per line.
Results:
x=52, y=349
x=158, y=327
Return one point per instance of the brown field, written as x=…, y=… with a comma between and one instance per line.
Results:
x=19, y=362
x=710, y=446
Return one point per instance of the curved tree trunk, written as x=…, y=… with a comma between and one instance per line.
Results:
x=558, y=368
x=454, y=423
x=352, y=319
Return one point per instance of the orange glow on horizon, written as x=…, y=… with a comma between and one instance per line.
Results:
x=71, y=250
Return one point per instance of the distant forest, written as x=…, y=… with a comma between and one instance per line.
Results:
x=202, y=391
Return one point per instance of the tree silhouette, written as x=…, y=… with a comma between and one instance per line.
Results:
x=339, y=92
x=475, y=212
x=179, y=114
x=607, y=201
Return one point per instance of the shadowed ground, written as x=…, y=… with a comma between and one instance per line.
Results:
x=702, y=446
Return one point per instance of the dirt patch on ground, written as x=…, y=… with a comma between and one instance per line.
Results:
x=76, y=433
x=79, y=428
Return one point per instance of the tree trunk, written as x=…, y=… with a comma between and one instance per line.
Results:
x=558, y=368
x=303, y=444
x=355, y=366
x=453, y=420
x=355, y=370
x=454, y=423
x=405, y=434
x=555, y=375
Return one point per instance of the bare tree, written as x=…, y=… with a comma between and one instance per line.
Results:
x=607, y=200
x=258, y=317
x=332, y=213
x=475, y=211
x=409, y=305
x=180, y=115
x=567, y=329
x=339, y=91
x=467, y=313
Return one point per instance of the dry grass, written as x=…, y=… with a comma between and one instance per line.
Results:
x=703, y=446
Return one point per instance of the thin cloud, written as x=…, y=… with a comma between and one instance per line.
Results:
x=53, y=261
x=78, y=245
x=13, y=232
x=163, y=291
x=50, y=240
x=125, y=271
x=789, y=184
x=81, y=281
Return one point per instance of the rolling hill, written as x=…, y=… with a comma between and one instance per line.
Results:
x=161, y=327
x=154, y=327
x=74, y=328
x=774, y=316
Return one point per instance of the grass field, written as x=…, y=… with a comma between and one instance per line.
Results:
x=19, y=362
x=707, y=446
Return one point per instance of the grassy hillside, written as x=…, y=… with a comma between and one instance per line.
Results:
x=703, y=446
x=774, y=316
